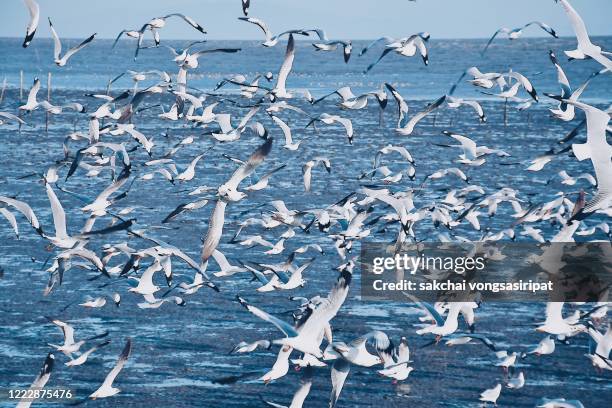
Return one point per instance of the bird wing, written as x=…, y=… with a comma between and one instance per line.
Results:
x=259, y=23
x=339, y=372
x=428, y=308
x=59, y=216
x=283, y=326
x=57, y=44
x=285, y=68
x=286, y=129
x=215, y=230
x=402, y=106
x=250, y=165
x=123, y=357
x=189, y=21
x=327, y=309
x=34, y=11
x=24, y=209
x=79, y=47
x=577, y=23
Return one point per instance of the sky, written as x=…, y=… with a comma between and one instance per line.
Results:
x=341, y=19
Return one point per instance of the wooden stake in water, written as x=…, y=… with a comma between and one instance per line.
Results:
x=21, y=86
x=48, y=100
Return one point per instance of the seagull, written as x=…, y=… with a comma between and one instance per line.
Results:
x=40, y=381
x=389, y=40
x=491, y=394
x=264, y=180
x=347, y=47
x=408, y=128
x=559, y=403
x=515, y=33
x=245, y=6
x=585, y=47
x=599, y=151
x=289, y=143
x=402, y=106
x=244, y=347
x=107, y=389
x=83, y=357
x=61, y=238
x=303, y=336
x=34, y=11
x=302, y=392
x=189, y=172
x=271, y=40
x=194, y=205
x=517, y=382
x=330, y=119
x=307, y=169
x=57, y=47
x=229, y=189
x=406, y=47
x=21, y=207
x=555, y=324
x=14, y=118
x=546, y=346
x=601, y=355
x=32, y=103
x=454, y=102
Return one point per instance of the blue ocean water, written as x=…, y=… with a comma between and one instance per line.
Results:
x=180, y=352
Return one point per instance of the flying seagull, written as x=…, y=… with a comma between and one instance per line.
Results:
x=57, y=47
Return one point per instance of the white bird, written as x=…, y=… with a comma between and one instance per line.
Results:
x=570, y=181
x=107, y=389
x=601, y=355
x=406, y=47
x=546, y=346
x=189, y=172
x=271, y=39
x=21, y=207
x=34, y=11
x=229, y=189
x=264, y=180
x=303, y=337
x=289, y=143
x=514, y=33
x=409, y=126
x=94, y=303
x=347, y=47
x=57, y=47
x=555, y=324
x=402, y=106
x=244, y=347
x=599, y=152
x=585, y=47
x=31, y=102
x=309, y=165
x=559, y=403
x=517, y=382
x=491, y=394
x=61, y=238
x=454, y=102
x=85, y=355
x=330, y=119
x=302, y=392
x=40, y=381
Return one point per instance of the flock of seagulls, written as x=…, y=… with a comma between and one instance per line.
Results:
x=309, y=341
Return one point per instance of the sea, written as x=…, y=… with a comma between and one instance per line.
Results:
x=180, y=355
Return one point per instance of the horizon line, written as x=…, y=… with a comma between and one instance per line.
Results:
x=301, y=38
